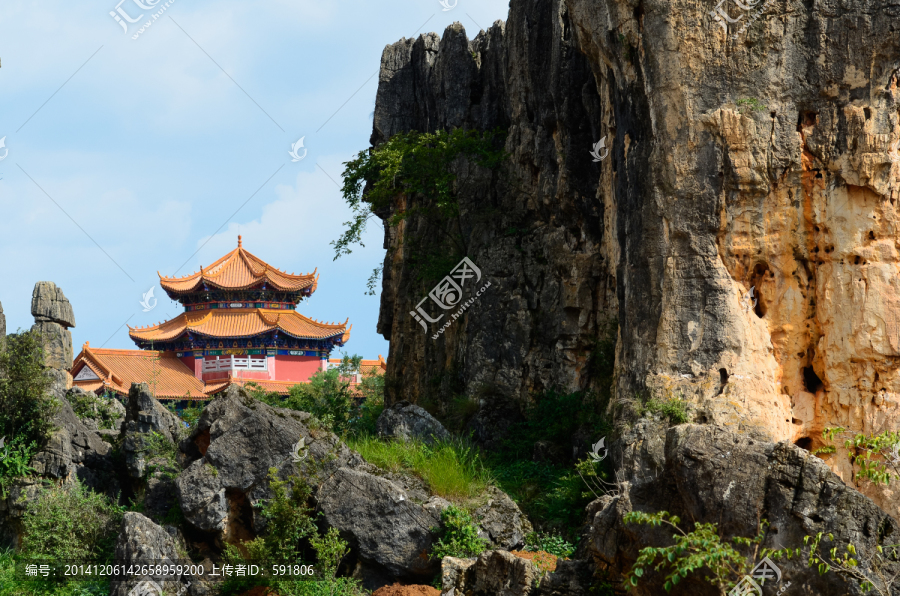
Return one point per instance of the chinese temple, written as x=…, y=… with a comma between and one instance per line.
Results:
x=239, y=325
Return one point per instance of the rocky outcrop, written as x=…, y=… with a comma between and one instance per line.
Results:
x=536, y=228
x=142, y=542
x=710, y=474
x=737, y=222
x=494, y=573
x=73, y=451
x=144, y=416
x=501, y=521
x=407, y=421
x=382, y=524
x=236, y=441
x=52, y=318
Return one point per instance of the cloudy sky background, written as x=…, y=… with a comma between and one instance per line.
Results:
x=150, y=147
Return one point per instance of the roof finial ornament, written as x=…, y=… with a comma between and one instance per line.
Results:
x=239, y=241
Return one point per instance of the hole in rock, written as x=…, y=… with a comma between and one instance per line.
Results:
x=871, y=235
x=759, y=274
x=796, y=421
x=811, y=380
x=804, y=443
x=868, y=113
x=240, y=519
x=723, y=376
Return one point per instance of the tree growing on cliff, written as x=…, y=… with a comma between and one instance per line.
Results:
x=26, y=406
x=415, y=164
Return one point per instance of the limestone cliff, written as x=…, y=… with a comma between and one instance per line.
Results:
x=742, y=230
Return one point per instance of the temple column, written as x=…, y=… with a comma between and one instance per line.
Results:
x=270, y=363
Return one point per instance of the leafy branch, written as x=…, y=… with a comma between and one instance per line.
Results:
x=869, y=571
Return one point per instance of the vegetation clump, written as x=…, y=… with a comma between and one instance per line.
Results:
x=70, y=522
x=453, y=469
x=415, y=163
x=458, y=535
x=290, y=524
x=88, y=405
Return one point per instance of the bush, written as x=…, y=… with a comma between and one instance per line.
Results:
x=674, y=410
x=289, y=524
x=329, y=398
x=453, y=469
x=459, y=535
x=70, y=522
x=26, y=407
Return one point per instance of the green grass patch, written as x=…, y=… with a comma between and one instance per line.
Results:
x=454, y=469
x=674, y=410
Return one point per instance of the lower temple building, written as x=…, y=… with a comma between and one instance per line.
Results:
x=239, y=325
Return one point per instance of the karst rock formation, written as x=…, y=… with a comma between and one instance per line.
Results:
x=741, y=228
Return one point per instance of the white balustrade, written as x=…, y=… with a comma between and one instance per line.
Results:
x=235, y=363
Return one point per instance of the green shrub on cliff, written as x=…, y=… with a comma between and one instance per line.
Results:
x=26, y=407
x=415, y=163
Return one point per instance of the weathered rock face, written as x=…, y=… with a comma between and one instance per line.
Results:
x=48, y=303
x=408, y=421
x=143, y=542
x=145, y=415
x=230, y=452
x=381, y=522
x=495, y=573
x=709, y=474
x=536, y=229
x=52, y=318
x=767, y=161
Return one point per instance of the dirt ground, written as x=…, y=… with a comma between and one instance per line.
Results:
x=398, y=590
x=545, y=561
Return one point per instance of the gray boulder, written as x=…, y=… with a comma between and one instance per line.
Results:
x=74, y=450
x=408, y=421
x=228, y=457
x=382, y=524
x=143, y=542
x=48, y=303
x=501, y=521
x=144, y=415
x=492, y=573
x=710, y=474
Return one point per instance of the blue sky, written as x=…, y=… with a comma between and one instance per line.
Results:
x=131, y=156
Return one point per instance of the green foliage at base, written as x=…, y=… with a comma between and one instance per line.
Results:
x=551, y=493
x=70, y=522
x=458, y=535
x=453, y=469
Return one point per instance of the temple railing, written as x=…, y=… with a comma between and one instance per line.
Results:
x=235, y=363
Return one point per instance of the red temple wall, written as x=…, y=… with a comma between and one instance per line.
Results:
x=296, y=368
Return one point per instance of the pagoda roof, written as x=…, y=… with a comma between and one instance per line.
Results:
x=378, y=367
x=241, y=322
x=239, y=270
x=118, y=369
